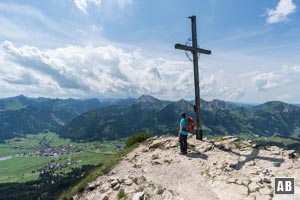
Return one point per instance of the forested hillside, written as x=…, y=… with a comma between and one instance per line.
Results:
x=160, y=117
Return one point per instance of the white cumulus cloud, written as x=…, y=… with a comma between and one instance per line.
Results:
x=105, y=71
x=270, y=80
x=82, y=5
x=266, y=81
x=282, y=11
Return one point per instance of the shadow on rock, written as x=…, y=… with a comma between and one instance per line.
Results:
x=197, y=155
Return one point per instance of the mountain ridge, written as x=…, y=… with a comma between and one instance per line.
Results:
x=123, y=117
x=218, y=117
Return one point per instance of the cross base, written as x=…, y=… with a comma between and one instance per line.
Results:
x=199, y=134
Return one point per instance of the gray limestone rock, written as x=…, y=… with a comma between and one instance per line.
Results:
x=156, y=162
x=116, y=187
x=267, y=180
x=231, y=180
x=92, y=185
x=138, y=196
x=154, y=156
x=256, y=179
x=265, y=191
x=103, y=197
x=156, y=144
x=167, y=195
x=114, y=183
x=253, y=187
x=105, y=187
x=128, y=182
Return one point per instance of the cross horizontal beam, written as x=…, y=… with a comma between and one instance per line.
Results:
x=188, y=48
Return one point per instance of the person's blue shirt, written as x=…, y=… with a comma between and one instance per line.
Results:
x=183, y=124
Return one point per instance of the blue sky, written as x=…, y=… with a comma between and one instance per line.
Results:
x=122, y=48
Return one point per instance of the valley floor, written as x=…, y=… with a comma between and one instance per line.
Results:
x=23, y=159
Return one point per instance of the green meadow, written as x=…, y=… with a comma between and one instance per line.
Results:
x=25, y=168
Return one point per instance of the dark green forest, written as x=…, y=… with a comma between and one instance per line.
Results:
x=47, y=187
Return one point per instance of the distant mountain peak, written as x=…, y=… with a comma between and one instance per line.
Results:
x=148, y=99
x=21, y=96
x=182, y=101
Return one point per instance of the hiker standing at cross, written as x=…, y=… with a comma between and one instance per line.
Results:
x=195, y=50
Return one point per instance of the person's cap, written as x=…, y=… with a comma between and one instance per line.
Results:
x=182, y=114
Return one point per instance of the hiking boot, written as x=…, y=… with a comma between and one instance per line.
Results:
x=183, y=153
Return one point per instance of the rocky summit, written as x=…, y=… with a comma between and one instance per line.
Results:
x=227, y=169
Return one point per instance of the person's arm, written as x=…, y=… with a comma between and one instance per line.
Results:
x=179, y=131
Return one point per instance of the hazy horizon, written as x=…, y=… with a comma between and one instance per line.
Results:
x=120, y=98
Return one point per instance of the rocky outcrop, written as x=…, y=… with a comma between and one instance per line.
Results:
x=228, y=169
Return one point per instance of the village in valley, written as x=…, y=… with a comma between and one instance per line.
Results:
x=45, y=149
x=62, y=155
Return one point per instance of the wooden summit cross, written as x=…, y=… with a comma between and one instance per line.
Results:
x=195, y=50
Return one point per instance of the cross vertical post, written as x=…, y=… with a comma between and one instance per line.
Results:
x=196, y=79
x=195, y=50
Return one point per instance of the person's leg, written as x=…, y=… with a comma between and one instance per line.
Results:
x=181, y=141
x=185, y=144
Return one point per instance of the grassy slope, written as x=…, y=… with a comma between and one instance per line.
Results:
x=92, y=175
x=131, y=143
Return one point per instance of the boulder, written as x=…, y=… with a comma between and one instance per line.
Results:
x=103, y=197
x=114, y=183
x=92, y=185
x=113, y=172
x=116, y=187
x=294, y=155
x=112, y=178
x=154, y=156
x=128, y=182
x=138, y=196
x=171, y=144
x=105, y=187
x=156, y=144
x=267, y=180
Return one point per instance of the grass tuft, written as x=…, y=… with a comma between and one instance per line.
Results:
x=122, y=195
x=136, y=138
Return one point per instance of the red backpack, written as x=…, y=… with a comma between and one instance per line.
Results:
x=189, y=127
